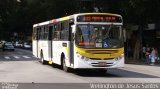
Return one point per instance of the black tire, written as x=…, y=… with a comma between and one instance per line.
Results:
x=64, y=67
x=42, y=59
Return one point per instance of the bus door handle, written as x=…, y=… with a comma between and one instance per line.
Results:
x=64, y=44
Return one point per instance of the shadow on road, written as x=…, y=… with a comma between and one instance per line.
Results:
x=85, y=72
x=131, y=74
x=111, y=73
x=93, y=73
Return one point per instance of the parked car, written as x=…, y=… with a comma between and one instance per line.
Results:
x=27, y=45
x=1, y=45
x=8, y=46
x=18, y=44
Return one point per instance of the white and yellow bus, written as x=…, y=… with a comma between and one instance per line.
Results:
x=81, y=41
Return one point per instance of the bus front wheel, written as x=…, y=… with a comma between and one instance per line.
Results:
x=102, y=71
x=65, y=68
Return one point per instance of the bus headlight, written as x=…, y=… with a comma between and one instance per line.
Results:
x=120, y=57
x=82, y=57
x=116, y=59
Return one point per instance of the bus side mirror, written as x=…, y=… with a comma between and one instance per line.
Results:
x=73, y=31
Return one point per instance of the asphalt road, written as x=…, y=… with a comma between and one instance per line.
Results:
x=17, y=55
x=22, y=67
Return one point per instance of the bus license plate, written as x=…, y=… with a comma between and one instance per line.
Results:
x=102, y=63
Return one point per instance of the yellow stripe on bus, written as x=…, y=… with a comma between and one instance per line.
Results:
x=101, y=14
x=67, y=50
x=64, y=18
x=86, y=53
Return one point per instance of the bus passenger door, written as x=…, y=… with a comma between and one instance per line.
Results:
x=71, y=42
x=50, y=39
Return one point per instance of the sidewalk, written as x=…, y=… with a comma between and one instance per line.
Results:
x=138, y=62
x=142, y=67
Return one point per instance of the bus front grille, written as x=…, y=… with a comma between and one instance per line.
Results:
x=102, y=51
x=101, y=66
x=104, y=65
x=102, y=59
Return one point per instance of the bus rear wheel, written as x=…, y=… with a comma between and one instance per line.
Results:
x=42, y=58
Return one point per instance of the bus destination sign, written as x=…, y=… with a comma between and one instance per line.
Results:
x=99, y=18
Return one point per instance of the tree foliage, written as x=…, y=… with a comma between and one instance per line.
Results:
x=20, y=16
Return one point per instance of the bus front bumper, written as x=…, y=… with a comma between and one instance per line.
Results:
x=94, y=64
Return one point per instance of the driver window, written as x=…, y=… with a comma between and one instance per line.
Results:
x=95, y=34
x=79, y=36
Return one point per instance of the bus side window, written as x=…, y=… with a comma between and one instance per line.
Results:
x=65, y=30
x=46, y=33
x=42, y=33
x=34, y=33
x=38, y=33
x=78, y=35
x=62, y=33
x=55, y=32
x=51, y=30
x=71, y=31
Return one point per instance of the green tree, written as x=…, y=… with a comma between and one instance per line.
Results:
x=139, y=12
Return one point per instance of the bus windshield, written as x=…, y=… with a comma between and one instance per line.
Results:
x=99, y=36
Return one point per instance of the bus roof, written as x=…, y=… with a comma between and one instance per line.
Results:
x=70, y=17
x=98, y=14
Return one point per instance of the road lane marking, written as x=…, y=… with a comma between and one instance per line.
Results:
x=6, y=57
x=16, y=57
x=26, y=57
